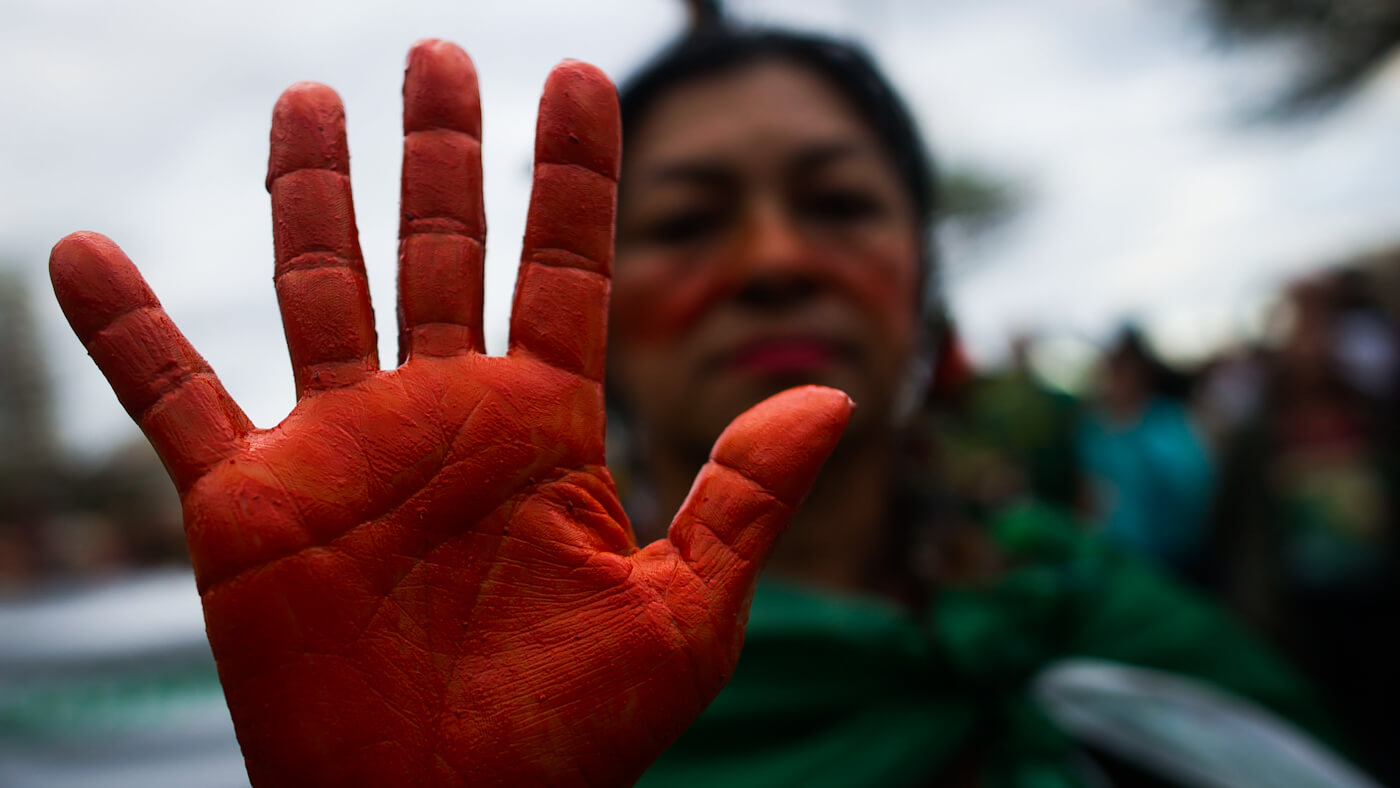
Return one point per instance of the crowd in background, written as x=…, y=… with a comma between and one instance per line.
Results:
x=1265, y=477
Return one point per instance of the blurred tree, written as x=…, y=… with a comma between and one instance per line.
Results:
x=27, y=443
x=704, y=14
x=30, y=481
x=976, y=200
x=1343, y=42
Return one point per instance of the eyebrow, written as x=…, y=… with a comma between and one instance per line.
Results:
x=704, y=173
x=821, y=155
x=717, y=174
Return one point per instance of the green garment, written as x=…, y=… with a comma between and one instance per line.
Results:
x=843, y=691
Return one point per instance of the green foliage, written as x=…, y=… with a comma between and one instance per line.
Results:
x=1344, y=42
x=976, y=200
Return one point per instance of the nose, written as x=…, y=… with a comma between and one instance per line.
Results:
x=775, y=261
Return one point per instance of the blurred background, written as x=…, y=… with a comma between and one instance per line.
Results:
x=1174, y=215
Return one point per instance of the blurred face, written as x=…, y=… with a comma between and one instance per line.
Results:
x=764, y=241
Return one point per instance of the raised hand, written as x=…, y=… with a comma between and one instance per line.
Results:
x=423, y=576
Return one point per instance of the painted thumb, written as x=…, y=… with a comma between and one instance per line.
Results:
x=760, y=469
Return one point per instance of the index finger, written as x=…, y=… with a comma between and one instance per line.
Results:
x=561, y=293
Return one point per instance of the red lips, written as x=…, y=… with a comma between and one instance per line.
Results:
x=785, y=355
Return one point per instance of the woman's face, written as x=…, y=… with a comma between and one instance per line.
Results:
x=764, y=241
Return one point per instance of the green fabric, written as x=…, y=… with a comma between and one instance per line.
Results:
x=841, y=691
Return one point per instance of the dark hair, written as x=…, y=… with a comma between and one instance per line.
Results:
x=1131, y=347
x=846, y=67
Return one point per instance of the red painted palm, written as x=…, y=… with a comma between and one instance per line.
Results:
x=423, y=575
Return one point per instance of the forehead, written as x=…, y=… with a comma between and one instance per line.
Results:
x=757, y=116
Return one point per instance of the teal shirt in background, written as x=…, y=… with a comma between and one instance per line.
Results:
x=1151, y=482
x=841, y=691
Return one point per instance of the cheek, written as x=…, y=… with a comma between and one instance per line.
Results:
x=657, y=299
x=882, y=279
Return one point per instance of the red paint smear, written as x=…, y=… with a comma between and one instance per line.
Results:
x=666, y=299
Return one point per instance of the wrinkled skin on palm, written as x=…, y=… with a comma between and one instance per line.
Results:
x=423, y=576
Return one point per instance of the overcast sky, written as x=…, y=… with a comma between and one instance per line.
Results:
x=1145, y=195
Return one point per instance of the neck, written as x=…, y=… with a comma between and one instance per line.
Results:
x=835, y=537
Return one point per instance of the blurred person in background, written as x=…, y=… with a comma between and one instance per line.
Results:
x=1231, y=391
x=1306, y=517
x=1006, y=437
x=773, y=230
x=1149, y=470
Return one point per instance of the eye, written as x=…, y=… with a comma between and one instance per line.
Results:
x=684, y=227
x=841, y=205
